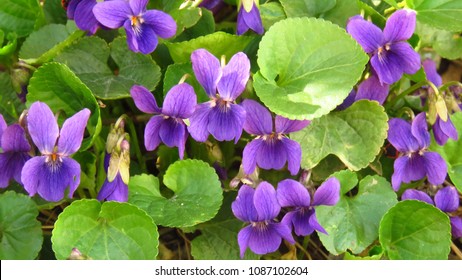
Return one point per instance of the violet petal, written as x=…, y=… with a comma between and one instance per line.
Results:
x=42, y=126
x=144, y=100
x=11, y=164
x=388, y=66
x=172, y=133
x=272, y=155
x=291, y=193
x=400, y=26
x=14, y=139
x=436, y=168
x=71, y=134
x=286, y=126
x=162, y=23
x=226, y=125
x=180, y=101
x=368, y=35
x=249, y=155
x=409, y=58
x=140, y=38
x=84, y=17
x=416, y=195
x=199, y=122
x=243, y=239
x=372, y=89
x=315, y=224
x=207, y=70
x=456, y=227
x=151, y=133
x=300, y=221
x=400, y=136
x=116, y=190
x=429, y=67
x=294, y=155
x=138, y=6
x=243, y=207
x=258, y=119
x=266, y=202
x=235, y=76
x=264, y=240
x=328, y=193
x=112, y=14
x=447, y=199
x=251, y=19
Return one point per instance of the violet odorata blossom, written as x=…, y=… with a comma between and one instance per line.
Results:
x=142, y=26
x=54, y=171
x=442, y=130
x=302, y=217
x=446, y=199
x=115, y=189
x=271, y=149
x=15, y=153
x=259, y=207
x=220, y=116
x=372, y=89
x=249, y=17
x=167, y=126
x=81, y=11
x=391, y=55
x=415, y=161
x=213, y=5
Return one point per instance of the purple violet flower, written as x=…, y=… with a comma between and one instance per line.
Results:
x=259, y=207
x=220, y=116
x=15, y=153
x=213, y=5
x=142, y=26
x=442, y=130
x=249, y=18
x=271, y=149
x=167, y=125
x=415, y=161
x=291, y=193
x=372, y=89
x=54, y=171
x=81, y=11
x=391, y=55
x=116, y=189
x=446, y=199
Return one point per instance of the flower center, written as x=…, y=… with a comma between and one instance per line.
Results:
x=136, y=22
x=382, y=51
x=273, y=137
x=53, y=161
x=223, y=104
x=261, y=226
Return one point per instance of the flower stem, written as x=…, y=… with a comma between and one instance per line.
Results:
x=404, y=93
x=136, y=145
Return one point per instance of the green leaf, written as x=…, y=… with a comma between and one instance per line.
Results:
x=271, y=12
x=88, y=59
x=10, y=105
x=197, y=194
x=7, y=45
x=108, y=231
x=451, y=152
x=343, y=10
x=218, y=240
x=442, y=14
x=447, y=44
x=20, y=232
x=354, y=135
x=43, y=45
x=19, y=16
x=353, y=223
x=308, y=8
x=205, y=26
x=54, y=12
x=218, y=43
x=415, y=230
x=174, y=74
x=55, y=84
x=305, y=77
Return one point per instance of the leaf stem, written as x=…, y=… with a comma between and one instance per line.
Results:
x=136, y=145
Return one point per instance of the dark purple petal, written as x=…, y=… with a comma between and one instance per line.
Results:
x=243, y=207
x=372, y=89
x=300, y=221
x=407, y=169
x=243, y=239
x=180, y=101
x=84, y=17
x=172, y=132
x=315, y=224
x=419, y=130
x=251, y=19
x=447, y=199
x=162, y=23
x=272, y=155
x=429, y=67
x=400, y=136
x=151, y=133
x=3, y=126
x=144, y=100
x=283, y=230
x=116, y=190
x=328, y=193
x=112, y=14
x=409, y=58
x=140, y=38
x=291, y=193
x=71, y=7
x=368, y=35
x=444, y=130
x=11, y=164
x=456, y=227
x=258, y=119
x=264, y=239
x=39, y=177
x=199, y=122
x=207, y=70
x=388, y=66
x=138, y=6
x=436, y=168
x=71, y=134
x=416, y=195
x=400, y=26
x=348, y=101
x=14, y=139
x=226, y=124
x=286, y=126
x=42, y=127
x=294, y=155
x=266, y=202
x=249, y=156
x=235, y=76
